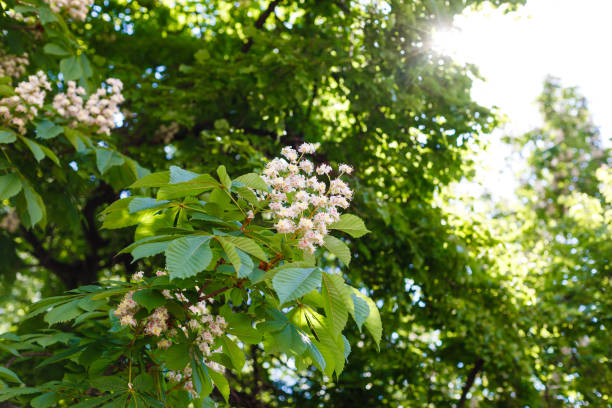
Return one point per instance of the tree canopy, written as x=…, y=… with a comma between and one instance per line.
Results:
x=141, y=136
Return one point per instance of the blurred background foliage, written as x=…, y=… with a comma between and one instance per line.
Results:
x=502, y=307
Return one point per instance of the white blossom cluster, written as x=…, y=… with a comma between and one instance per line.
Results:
x=13, y=66
x=77, y=9
x=300, y=202
x=99, y=110
x=201, y=326
x=17, y=110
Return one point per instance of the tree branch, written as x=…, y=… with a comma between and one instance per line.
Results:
x=260, y=22
x=470, y=381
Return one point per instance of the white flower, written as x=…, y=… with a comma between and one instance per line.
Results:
x=307, y=148
x=138, y=276
x=324, y=169
x=345, y=168
x=285, y=226
x=289, y=153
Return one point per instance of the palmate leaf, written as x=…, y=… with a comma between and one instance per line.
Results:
x=242, y=263
x=224, y=177
x=106, y=158
x=292, y=283
x=360, y=310
x=9, y=185
x=63, y=313
x=192, y=187
x=247, y=245
x=372, y=322
x=338, y=248
x=178, y=175
x=351, y=224
x=158, y=179
x=9, y=375
x=188, y=255
x=334, y=293
x=234, y=353
x=7, y=136
x=330, y=346
x=253, y=180
x=221, y=383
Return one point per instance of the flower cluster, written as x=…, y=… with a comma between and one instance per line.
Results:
x=22, y=107
x=126, y=309
x=205, y=328
x=300, y=202
x=77, y=9
x=100, y=109
x=13, y=66
x=200, y=326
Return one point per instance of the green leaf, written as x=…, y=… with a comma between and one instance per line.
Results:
x=63, y=313
x=240, y=326
x=177, y=356
x=109, y=383
x=291, y=283
x=10, y=184
x=49, y=153
x=351, y=224
x=71, y=68
x=46, y=16
x=34, y=147
x=247, y=245
x=331, y=347
x=157, y=179
x=9, y=375
x=149, y=298
x=201, y=379
x=54, y=49
x=224, y=178
x=360, y=311
x=105, y=159
x=48, y=130
x=334, y=293
x=316, y=355
x=144, y=383
x=338, y=248
x=93, y=402
x=85, y=66
x=7, y=136
x=45, y=400
x=178, y=175
x=150, y=249
x=33, y=205
x=90, y=304
x=243, y=264
x=78, y=140
x=187, y=256
x=144, y=203
x=221, y=383
x=192, y=187
x=234, y=352
x=373, y=322
x=253, y=180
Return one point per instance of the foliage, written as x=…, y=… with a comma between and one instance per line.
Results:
x=213, y=83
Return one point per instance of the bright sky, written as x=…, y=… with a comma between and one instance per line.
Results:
x=514, y=52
